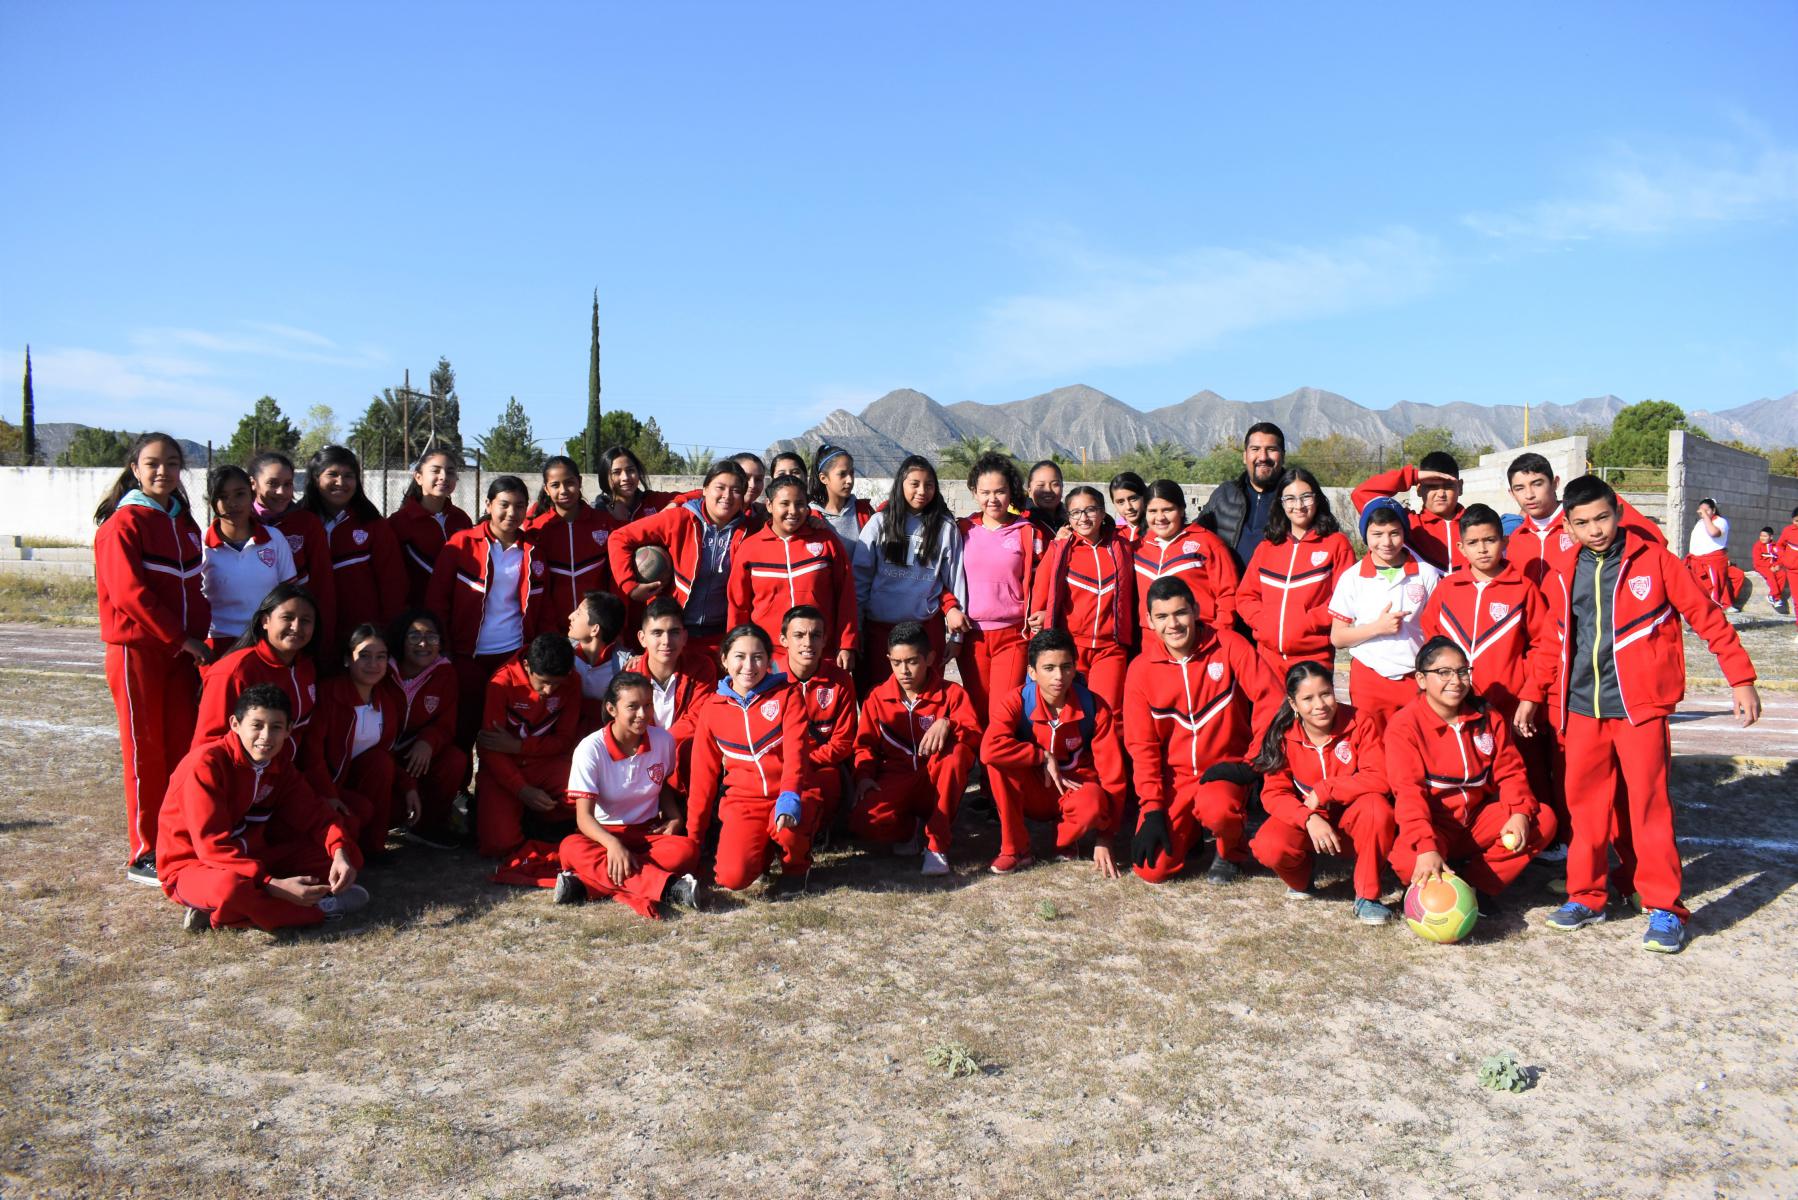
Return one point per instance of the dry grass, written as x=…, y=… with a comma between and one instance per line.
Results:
x=47, y=599
x=470, y=1040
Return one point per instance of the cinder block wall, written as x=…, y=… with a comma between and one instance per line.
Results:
x=1746, y=492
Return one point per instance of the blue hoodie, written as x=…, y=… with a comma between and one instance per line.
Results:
x=708, y=604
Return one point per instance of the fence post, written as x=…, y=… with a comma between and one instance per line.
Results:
x=383, y=470
x=477, y=475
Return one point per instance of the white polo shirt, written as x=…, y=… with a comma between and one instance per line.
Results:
x=1364, y=592
x=234, y=579
x=597, y=677
x=502, y=619
x=626, y=790
x=1702, y=541
x=368, y=729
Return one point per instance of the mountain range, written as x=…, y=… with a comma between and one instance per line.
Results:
x=1071, y=418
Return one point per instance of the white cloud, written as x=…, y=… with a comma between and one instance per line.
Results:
x=262, y=340
x=1106, y=311
x=1633, y=193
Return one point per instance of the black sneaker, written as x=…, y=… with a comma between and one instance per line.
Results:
x=196, y=920
x=683, y=893
x=570, y=889
x=1222, y=870
x=143, y=871
x=786, y=887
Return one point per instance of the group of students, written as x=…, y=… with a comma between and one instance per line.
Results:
x=301, y=681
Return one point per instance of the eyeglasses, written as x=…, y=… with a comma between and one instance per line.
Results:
x=1088, y=511
x=1444, y=674
x=422, y=639
x=1304, y=500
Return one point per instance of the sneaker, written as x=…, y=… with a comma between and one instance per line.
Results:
x=569, y=889
x=683, y=892
x=461, y=814
x=934, y=863
x=143, y=871
x=1554, y=853
x=196, y=920
x=1666, y=932
x=1066, y=854
x=1572, y=915
x=1005, y=864
x=1222, y=871
x=786, y=887
x=1299, y=894
x=1372, y=912
x=352, y=899
x=429, y=839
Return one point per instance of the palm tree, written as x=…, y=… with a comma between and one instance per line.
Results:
x=1162, y=460
x=958, y=459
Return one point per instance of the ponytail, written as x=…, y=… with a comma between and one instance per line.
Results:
x=544, y=503
x=127, y=479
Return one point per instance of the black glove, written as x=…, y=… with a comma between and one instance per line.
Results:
x=1230, y=772
x=1151, y=840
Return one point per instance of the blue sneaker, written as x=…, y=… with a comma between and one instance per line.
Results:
x=1372, y=912
x=1666, y=932
x=1572, y=915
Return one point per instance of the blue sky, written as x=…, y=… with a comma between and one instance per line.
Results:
x=788, y=209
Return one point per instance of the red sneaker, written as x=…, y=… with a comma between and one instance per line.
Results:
x=1005, y=864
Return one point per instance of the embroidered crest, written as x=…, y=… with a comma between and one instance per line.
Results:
x=1482, y=741
x=1566, y=541
x=1416, y=593
x=537, y=567
x=431, y=704
x=267, y=555
x=825, y=695
x=814, y=548
x=1215, y=670
x=657, y=772
x=1344, y=752
x=359, y=536
x=600, y=536
x=294, y=542
x=1319, y=557
x=1072, y=742
x=924, y=722
x=771, y=709
x=1498, y=610
x=1639, y=585
x=1189, y=547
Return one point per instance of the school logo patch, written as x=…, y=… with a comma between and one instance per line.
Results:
x=359, y=536
x=431, y=704
x=1639, y=585
x=1416, y=593
x=1566, y=541
x=1215, y=670
x=1319, y=557
x=1482, y=741
x=267, y=555
x=814, y=548
x=925, y=722
x=294, y=542
x=1498, y=610
x=600, y=536
x=657, y=772
x=771, y=709
x=825, y=696
x=1189, y=547
x=1073, y=742
x=1344, y=752
x=537, y=567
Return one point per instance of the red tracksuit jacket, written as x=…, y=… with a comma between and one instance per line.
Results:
x=829, y=703
x=1434, y=539
x=886, y=737
x=1787, y=545
x=676, y=530
x=1182, y=716
x=1059, y=733
x=311, y=549
x=225, y=680
x=1200, y=558
x=746, y=747
x=1449, y=772
x=367, y=575
x=1286, y=589
x=1350, y=765
x=1529, y=546
x=421, y=539
x=1505, y=630
x=147, y=573
x=1766, y=558
x=325, y=754
x=547, y=725
x=575, y=554
x=219, y=803
x=1650, y=590
x=770, y=574
x=1089, y=589
x=458, y=592
x=429, y=704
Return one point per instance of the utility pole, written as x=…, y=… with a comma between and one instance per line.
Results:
x=405, y=417
x=591, y=447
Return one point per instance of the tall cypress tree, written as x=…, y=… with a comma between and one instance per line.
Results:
x=30, y=421
x=590, y=459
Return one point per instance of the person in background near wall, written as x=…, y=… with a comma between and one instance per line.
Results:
x=1707, y=556
x=1237, y=511
x=1044, y=488
x=426, y=519
x=1786, y=546
x=271, y=474
x=153, y=618
x=1766, y=565
x=242, y=561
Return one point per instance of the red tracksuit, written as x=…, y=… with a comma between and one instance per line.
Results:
x=677, y=531
x=365, y=783
x=225, y=680
x=1644, y=592
x=1786, y=545
x=1200, y=558
x=1343, y=781
x=1089, y=590
x=574, y=551
x=228, y=826
x=992, y=656
x=770, y=574
x=430, y=708
x=1529, y=545
x=910, y=788
x=1436, y=540
x=547, y=725
x=695, y=678
x=1766, y=565
x=368, y=578
x=829, y=697
x=1183, y=716
x=457, y=596
x=421, y=536
x=1015, y=769
x=147, y=573
x=1454, y=786
x=750, y=749
x=1719, y=578
x=311, y=549
x=1285, y=598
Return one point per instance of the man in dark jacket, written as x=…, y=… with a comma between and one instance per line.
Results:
x=1237, y=511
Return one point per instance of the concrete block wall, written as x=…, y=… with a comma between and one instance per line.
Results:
x=1487, y=483
x=1745, y=490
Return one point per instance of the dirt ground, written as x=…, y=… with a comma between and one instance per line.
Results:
x=464, y=1039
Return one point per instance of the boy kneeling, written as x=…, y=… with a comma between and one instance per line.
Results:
x=242, y=840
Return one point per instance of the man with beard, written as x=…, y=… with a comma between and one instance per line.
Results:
x=1237, y=511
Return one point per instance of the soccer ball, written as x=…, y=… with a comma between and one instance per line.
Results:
x=1441, y=910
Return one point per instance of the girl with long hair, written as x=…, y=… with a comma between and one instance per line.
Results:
x=154, y=619
x=1000, y=551
x=831, y=484
x=1172, y=548
x=910, y=569
x=271, y=475
x=276, y=646
x=1286, y=587
x=369, y=582
x=570, y=537
x=622, y=485
x=427, y=518
x=425, y=748
x=241, y=559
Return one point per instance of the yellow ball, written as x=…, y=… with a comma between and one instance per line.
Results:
x=1511, y=841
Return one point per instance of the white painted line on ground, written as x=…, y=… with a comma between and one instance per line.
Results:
x=31, y=726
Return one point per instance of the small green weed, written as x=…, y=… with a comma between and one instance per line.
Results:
x=952, y=1059
x=1503, y=1073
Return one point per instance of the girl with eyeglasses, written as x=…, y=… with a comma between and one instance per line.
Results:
x=1286, y=588
x=425, y=749
x=1086, y=585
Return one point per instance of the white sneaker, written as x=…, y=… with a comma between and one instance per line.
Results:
x=1296, y=894
x=934, y=863
x=352, y=899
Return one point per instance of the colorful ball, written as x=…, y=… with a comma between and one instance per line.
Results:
x=1442, y=909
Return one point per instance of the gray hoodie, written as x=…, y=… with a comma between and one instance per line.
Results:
x=890, y=593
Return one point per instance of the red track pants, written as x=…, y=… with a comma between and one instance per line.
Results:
x=1104, y=667
x=500, y=814
x=437, y=787
x=1713, y=573
x=1476, y=853
x=1598, y=753
x=992, y=660
x=1279, y=663
x=1366, y=822
x=158, y=699
x=1021, y=792
x=1377, y=696
x=1219, y=806
x=659, y=858
x=1773, y=577
x=823, y=790
x=234, y=900
x=747, y=840
x=901, y=798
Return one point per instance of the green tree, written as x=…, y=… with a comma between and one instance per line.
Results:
x=593, y=439
x=956, y=460
x=698, y=462
x=1337, y=459
x=620, y=427
x=443, y=414
x=1218, y=464
x=1430, y=439
x=378, y=436
x=510, y=446
x=1160, y=459
x=12, y=444
x=1783, y=461
x=28, y=425
x=92, y=447
x=264, y=427
x=1638, y=436
x=318, y=431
